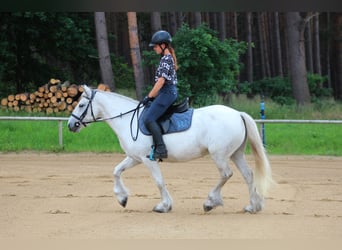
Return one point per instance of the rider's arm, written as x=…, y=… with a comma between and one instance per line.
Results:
x=157, y=86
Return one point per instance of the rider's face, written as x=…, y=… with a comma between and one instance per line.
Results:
x=158, y=49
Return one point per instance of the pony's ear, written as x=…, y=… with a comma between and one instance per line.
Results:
x=87, y=90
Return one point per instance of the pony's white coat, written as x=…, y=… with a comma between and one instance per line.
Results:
x=218, y=130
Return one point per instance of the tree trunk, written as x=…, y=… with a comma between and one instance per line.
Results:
x=103, y=50
x=155, y=22
x=135, y=53
x=265, y=44
x=337, y=54
x=308, y=47
x=328, y=52
x=235, y=26
x=317, y=51
x=295, y=30
x=221, y=25
x=197, y=19
x=279, y=63
x=173, y=23
x=249, y=44
x=262, y=49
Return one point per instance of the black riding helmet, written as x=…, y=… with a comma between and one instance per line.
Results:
x=160, y=37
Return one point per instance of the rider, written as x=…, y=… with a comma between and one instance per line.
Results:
x=164, y=92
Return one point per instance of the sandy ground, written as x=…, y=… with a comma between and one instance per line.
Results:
x=69, y=196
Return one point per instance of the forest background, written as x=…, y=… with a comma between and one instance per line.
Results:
x=291, y=57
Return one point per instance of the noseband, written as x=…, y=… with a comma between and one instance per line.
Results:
x=81, y=117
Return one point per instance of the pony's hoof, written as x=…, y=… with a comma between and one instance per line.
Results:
x=207, y=208
x=162, y=209
x=123, y=202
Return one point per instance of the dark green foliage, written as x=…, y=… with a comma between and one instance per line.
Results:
x=279, y=89
x=316, y=86
x=123, y=73
x=36, y=46
x=207, y=66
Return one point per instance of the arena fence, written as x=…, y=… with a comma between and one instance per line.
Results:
x=260, y=121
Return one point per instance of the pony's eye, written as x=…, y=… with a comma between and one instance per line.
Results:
x=82, y=105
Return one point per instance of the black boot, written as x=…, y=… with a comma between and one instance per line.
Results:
x=160, y=148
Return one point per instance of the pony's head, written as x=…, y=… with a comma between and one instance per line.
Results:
x=84, y=113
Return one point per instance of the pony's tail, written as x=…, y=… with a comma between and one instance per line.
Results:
x=263, y=173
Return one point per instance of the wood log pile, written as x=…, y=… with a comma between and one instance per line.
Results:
x=52, y=97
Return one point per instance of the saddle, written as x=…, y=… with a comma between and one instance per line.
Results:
x=176, y=118
x=178, y=108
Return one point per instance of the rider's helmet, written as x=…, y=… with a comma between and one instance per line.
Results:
x=160, y=37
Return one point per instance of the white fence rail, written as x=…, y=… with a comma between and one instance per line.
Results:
x=61, y=119
x=31, y=118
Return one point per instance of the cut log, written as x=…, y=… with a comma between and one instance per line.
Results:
x=70, y=108
x=103, y=87
x=72, y=90
x=49, y=110
x=53, y=88
x=59, y=94
x=10, y=98
x=61, y=106
x=80, y=89
x=4, y=102
x=54, y=81
x=74, y=104
x=32, y=96
x=53, y=99
x=24, y=97
x=15, y=103
x=42, y=89
x=69, y=100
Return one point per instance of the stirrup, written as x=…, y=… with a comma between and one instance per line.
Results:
x=151, y=155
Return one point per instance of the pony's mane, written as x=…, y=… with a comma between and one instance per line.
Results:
x=118, y=95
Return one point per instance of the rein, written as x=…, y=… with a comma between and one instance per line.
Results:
x=135, y=112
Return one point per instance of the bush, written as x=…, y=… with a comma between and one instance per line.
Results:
x=207, y=66
x=316, y=86
x=279, y=89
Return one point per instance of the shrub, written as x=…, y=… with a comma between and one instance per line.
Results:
x=207, y=66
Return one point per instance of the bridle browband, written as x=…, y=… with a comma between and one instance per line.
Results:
x=90, y=100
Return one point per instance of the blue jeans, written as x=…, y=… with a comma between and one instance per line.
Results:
x=166, y=97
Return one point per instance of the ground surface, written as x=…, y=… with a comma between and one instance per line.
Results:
x=62, y=196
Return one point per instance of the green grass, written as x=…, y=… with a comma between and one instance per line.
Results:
x=43, y=136
x=304, y=139
x=297, y=139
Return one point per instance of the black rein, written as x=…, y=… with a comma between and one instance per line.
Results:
x=135, y=112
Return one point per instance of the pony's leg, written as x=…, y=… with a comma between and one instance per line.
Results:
x=166, y=201
x=214, y=198
x=119, y=188
x=256, y=201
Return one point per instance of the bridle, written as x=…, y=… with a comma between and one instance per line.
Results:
x=89, y=104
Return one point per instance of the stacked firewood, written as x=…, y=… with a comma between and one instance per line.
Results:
x=52, y=97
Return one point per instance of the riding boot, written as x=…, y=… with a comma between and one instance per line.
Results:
x=160, y=148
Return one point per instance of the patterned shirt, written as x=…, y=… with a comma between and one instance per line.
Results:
x=167, y=70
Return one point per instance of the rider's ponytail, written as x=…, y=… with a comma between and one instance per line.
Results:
x=173, y=54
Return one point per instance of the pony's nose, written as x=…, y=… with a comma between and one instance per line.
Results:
x=73, y=126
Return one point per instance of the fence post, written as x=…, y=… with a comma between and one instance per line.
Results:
x=262, y=113
x=60, y=132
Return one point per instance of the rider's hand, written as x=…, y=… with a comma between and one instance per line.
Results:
x=146, y=100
